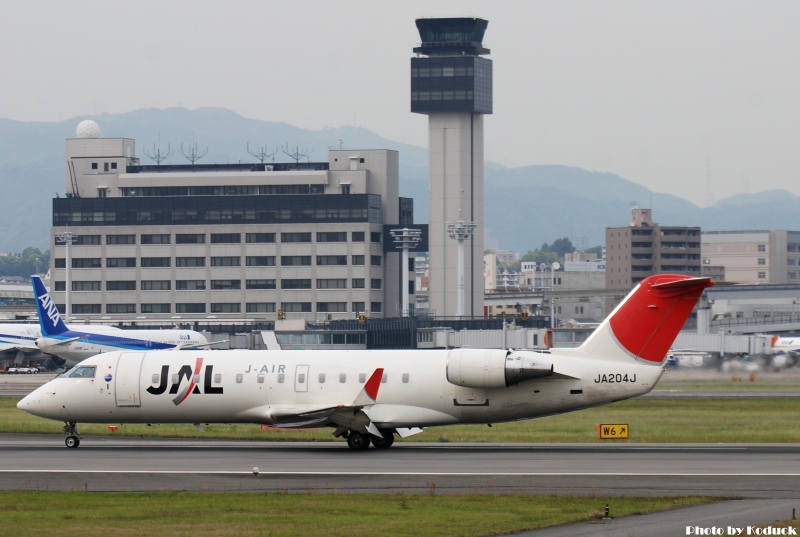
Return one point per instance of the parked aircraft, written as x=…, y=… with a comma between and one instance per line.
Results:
x=18, y=342
x=368, y=396
x=785, y=344
x=76, y=343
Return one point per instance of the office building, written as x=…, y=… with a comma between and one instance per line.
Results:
x=644, y=248
x=227, y=241
x=754, y=257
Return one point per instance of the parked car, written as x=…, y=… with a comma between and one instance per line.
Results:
x=22, y=370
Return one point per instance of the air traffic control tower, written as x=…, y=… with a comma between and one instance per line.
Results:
x=452, y=84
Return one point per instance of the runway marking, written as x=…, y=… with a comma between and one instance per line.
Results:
x=456, y=474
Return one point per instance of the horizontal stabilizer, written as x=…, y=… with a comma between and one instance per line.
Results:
x=66, y=341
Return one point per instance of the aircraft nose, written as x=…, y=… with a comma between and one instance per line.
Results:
x=31, y=403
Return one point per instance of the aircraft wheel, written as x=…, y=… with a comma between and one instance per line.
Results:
x=384, y=441
x=72, y=441
x=356, y=440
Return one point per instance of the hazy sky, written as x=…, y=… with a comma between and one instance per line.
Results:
x=652, y=91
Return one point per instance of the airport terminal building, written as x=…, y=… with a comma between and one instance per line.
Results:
x=245, y=241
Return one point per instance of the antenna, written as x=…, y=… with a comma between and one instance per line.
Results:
x=339, y=147
x=296, y=155
x=709, y=193
x=262, y=155
x=193, y=156
x=157, y=156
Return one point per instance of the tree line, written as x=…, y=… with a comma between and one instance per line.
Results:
x=30, y=261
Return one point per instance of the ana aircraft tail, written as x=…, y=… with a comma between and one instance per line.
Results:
x=648, y=320
x=49, y=319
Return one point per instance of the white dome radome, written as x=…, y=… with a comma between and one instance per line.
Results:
x=88, y=129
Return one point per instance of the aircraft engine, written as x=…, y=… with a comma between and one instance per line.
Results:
x=494, y=368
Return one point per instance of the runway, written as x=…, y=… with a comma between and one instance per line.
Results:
x=32, y=462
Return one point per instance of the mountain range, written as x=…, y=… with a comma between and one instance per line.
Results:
x=524, y=206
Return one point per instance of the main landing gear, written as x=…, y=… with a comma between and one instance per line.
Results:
x=74, y=439
x=360, y=441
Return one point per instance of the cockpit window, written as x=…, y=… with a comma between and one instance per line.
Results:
x=84, y=372
x=69, y=372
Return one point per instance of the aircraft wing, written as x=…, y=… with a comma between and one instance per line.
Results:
x=182, y=347
x=309, y=415
x=14, y=347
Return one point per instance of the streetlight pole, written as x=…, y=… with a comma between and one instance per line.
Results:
x=67, y=238
x=461, y=231
x=405, y=239
x=554, y=266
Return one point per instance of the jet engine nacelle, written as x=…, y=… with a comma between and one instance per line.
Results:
x=494, y=368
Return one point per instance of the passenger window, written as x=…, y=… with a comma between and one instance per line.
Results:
x=322, y=378
x=260, y=379
x=217, y=378
x=342, y=377
x=239, y=378
x=405, y=378
x=155, y=379
x=175, y=379
x=301, y=378
x=281, y=376
x=197, y=379
x=384, y=378
x=362, y=378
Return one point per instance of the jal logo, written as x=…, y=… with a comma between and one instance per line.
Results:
x=49, y=308
x=192, y=385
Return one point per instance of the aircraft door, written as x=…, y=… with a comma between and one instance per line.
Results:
x=128, y=377
x=301, y=378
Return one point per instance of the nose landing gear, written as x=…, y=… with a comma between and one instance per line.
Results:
x=74, y=439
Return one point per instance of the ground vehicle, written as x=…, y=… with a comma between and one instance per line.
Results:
x=18, y=370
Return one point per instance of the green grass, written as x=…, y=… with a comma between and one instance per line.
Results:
x=651, y=420
x=209, y=514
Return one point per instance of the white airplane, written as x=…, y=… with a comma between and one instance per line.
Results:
x=76, y=343
x=368, y=396
x=18, y=342
x=785, y=344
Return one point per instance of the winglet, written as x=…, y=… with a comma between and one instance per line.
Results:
x=374, y=382
x=49, y=319
x=369, y=394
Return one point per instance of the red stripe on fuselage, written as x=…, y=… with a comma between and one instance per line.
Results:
x=198, y=365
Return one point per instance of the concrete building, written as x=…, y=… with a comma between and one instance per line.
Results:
x=227, y=241
x=754, y=257
x=452, y=84
x=644, y=248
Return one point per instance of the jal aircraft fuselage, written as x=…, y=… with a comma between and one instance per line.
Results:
x=368, y=396
x=287, y=387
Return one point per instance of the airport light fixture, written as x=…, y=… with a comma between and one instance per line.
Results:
x=461, y=231
x=406, y=239
x=67, y=238
x=554, y=266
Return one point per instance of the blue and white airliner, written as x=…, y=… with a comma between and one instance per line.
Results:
x=74, y=344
